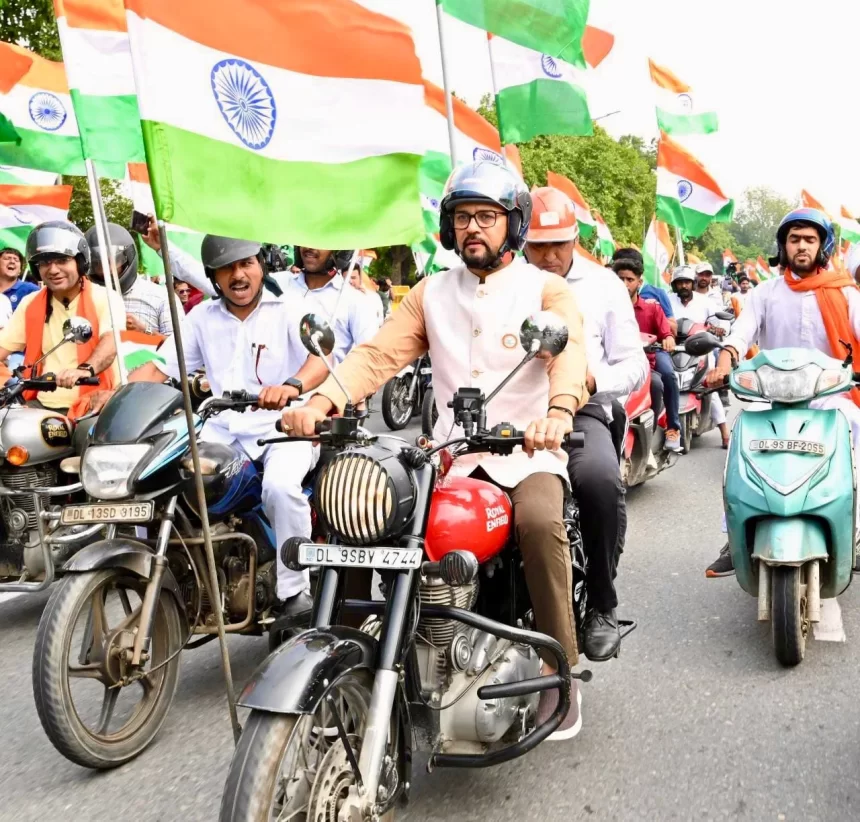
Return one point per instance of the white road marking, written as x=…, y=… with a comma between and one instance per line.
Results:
x=830, y=628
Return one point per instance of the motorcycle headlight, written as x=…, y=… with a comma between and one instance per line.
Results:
x=788, y=386
x=106, y=469
x=365, y=495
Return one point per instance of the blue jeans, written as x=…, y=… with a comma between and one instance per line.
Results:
x=671, y=393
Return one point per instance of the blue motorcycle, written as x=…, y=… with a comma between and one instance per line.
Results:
x=106, y=661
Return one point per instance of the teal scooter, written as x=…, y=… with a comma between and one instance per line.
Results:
x=789, y=488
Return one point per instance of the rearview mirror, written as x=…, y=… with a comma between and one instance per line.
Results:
x=725, y=315
x=544, y=332
x=78, y=330
x=700, y=344
x=316, y=334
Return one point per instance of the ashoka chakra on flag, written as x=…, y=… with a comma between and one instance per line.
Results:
x=47, y=111
x=245, y=101
x=685, y=189
x=550, y=67
x=480, y=154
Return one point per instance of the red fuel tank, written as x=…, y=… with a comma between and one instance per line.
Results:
x=470, y=515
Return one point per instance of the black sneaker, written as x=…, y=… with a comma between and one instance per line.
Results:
x=722, y=566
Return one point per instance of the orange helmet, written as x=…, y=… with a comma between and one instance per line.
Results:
x=553, y=217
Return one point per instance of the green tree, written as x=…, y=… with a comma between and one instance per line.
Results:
x=758, y=215
x=117, y=206
x=31, y=23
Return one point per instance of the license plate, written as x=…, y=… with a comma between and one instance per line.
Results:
x=346, y=556
x=108, y=512
x=799, y=446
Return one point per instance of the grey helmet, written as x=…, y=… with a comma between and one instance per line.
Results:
x=683, y=272
x=57, y=237
x=124, y=252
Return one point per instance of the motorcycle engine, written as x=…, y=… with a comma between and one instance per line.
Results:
x=455, y=661
x=21, y=547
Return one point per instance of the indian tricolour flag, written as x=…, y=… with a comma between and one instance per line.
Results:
x=763, y=270
x=808, y=201
x=40, y=109
x=10, y=175
x=657, y=253
x=848, y=225
x=97, y=56
x=605, y=243
x=677, y=111
x=687, y=196
x=536, y=93
x=554, y=27
x=23, y=207
x=587, y=223
x=13, y=66
x=138, y=348
x=728, y=258
x=141, y=198
x=253, y=130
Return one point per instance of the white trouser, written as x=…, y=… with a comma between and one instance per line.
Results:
x=718, y=413
x=284, y=467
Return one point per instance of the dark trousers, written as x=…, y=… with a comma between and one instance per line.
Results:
x=671, y=392
x=596, y=482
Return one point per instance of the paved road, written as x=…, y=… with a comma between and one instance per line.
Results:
x=694, y=721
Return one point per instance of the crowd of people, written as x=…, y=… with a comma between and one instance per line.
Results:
x=244, y=331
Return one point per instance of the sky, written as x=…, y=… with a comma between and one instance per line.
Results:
x=778, y=73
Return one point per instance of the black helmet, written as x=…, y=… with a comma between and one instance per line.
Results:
x=338, y=260
x=487, y=181
x=57, y=237
x=124, y=252
x=216, y=252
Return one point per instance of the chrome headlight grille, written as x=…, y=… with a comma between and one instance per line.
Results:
x=361, y=500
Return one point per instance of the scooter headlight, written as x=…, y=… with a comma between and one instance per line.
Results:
x=106, y=469
x=788, y=386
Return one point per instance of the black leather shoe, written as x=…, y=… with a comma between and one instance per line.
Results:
x=602, y=637
x=292, y=616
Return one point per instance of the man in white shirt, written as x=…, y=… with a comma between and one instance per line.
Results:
x=248, y=339
x=468, y=318
x=616, y=366
x=705, y=285
x=785, y=312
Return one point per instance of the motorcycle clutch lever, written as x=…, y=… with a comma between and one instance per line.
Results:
x=274, y=440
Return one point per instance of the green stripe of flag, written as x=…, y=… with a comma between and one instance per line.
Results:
x=542, y=107
x=692, y=223
x=675, y=124
x=7, y=131
x=110, y=128
x=15, y=237
x=46, y=151
x=360, y=204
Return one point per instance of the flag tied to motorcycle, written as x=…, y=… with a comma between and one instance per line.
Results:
x=24, y=206
x=687, y=196
x=139, y=348
x=97, y=57
x=677, y=110
x=274, y=136
x=39, y=107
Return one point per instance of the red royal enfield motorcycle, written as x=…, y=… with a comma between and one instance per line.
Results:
x=448, y=662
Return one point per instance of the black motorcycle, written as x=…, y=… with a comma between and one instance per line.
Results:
x=405, y=394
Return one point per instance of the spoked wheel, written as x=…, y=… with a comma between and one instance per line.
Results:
x=95, y=708
x=429, y=414
x=789, y=618
x=397, y=407
x=296, y=767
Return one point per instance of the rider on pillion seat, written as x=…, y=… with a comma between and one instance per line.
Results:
x=616, y=367
x=809, y=306
x=59, y=256
x=468, y=318
x=248, y=339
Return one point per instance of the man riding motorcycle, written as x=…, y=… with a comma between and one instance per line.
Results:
x=652, y=320
x=146, y=305
x=688, y=304
x=616, y=366
x=247, y=338
x=705, y=285
x=809, y=306
x=59, y=256
x=468, y=318
x=648, y=291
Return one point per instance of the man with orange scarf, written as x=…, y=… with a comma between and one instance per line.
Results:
x=59, y=255
x=809, y=306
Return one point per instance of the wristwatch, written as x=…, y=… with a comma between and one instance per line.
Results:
x=297, y=384
x=85, y=366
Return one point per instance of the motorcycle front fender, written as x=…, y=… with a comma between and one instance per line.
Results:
x=295, y=678
x=789, y=541
x=127, y=554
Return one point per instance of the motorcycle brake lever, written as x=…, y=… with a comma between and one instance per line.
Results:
x=275, y=440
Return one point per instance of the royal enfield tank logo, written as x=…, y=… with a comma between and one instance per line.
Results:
x=246, y=102
x=497, y=517
x=47, y=111
x=56, y=432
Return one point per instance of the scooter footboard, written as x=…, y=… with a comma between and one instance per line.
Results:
x=789, y=540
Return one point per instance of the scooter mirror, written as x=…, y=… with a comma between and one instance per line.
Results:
x=544, y=332
x=700, y=344
x=316, y=332
x=725, y=315
x=78, y=330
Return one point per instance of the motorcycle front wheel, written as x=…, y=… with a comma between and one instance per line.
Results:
x=397, y=407
x=789, y=621
x=429, y=414
x=84, y=640
x=296, y=767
